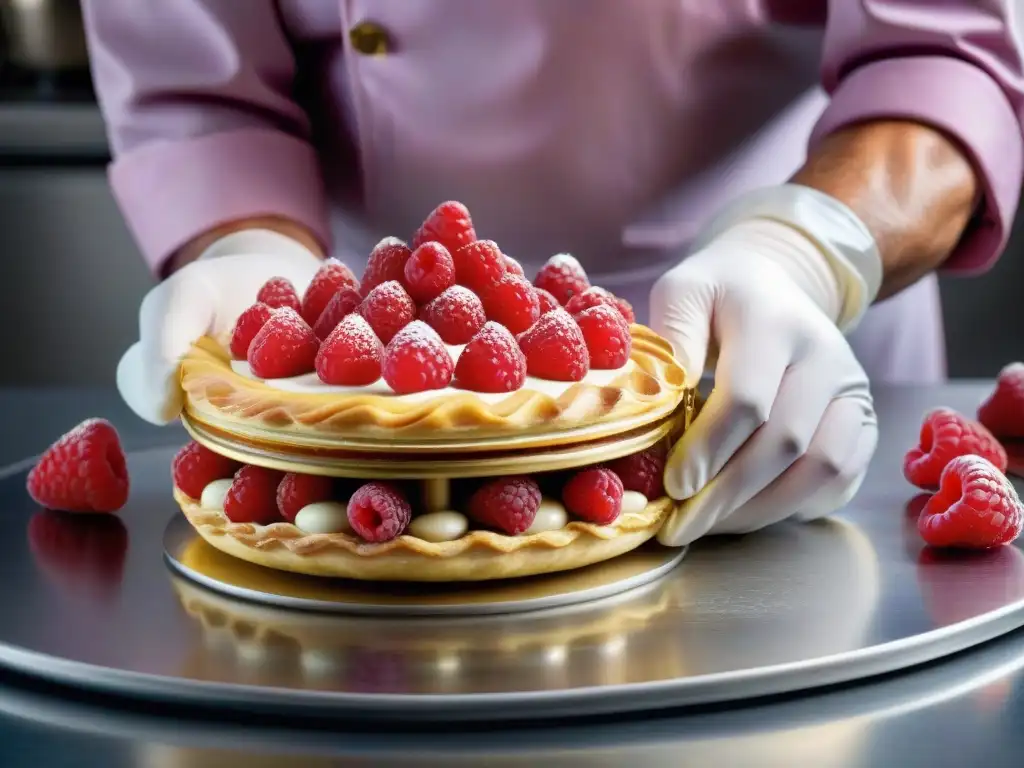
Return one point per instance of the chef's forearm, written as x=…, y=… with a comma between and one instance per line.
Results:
x=911, y=186
x=191, y=251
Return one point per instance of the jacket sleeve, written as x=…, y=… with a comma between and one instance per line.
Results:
x=196, y=99
x=953, y=65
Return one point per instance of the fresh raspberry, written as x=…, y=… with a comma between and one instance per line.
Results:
x=491, y=362
x=509, y=504
x=643, y=472
x=513, y=302
x=1003, y=410
x=342, y=304
x=594, y=495
x=457, y=315
x=352, y=354
x=279, y=292
x=295, y=491
x=428, y=272
x=607, y=336
x=416, y=360
x=388, y=309
x=195, y=466
x=378, y=512
x=546, y=300
x=80, y=554
x=83, y=471
x=285, y=346
x=386, y=263
x=625, y=309
x=555, y=348
x=976, y=507
x=246, y=328
x=252, y=497
x=479, y=265
x=563, y=277
x=449, y=224
x=946, y=434
x=333, y=276
x=595, y=297
x=513, y=267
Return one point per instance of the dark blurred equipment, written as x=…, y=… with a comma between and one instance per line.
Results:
x=44, y=46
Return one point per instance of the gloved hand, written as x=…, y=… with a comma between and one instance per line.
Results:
x=204, y=297
x=789, y=428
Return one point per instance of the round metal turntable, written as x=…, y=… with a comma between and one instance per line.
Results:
x=91, y=602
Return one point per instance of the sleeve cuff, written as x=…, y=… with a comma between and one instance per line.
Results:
x=964, y=102
x=172, y=192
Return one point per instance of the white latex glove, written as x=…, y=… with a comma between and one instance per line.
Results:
x=789, y=428
x=204, y=297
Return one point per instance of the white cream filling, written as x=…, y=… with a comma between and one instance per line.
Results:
x=309, y=383
x=551, y=516
x=441, y=526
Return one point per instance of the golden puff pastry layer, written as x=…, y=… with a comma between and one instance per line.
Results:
x=477, y=556
x=649, y=388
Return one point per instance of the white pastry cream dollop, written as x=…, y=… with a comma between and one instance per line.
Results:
x=323, y=517
x=633, y=502
x=439, y=526
x=551, y=516
x=309, y=383
x=215, y=493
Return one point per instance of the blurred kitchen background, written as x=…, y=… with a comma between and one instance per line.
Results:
x=71, y=278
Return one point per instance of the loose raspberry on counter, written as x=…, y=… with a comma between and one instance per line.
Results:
x=83, y=471
x=594, y=495
x=643, y=472
x=513, y=267
x=546, y=300
x=449, y=224
x=388, y=308
x=279, y=292
x=428, y=272
x=457, y=315
x=555, y=348
x=253, y=496
x=195, y=466
x=595, y=297
x=491, y=362
x=607, y=336
x=351, y=355
x=479, y=265
x=416, y=360
x=512, y=302
x=563, y=277
x=246, y=328
x=378, y=512
x=342, y=304
x=946, y=434
x=296, y=491
x=508, y=504
x=333, y=276
x=386, y=263
x=976, y=507
x=285, y=346
x=1003, y=410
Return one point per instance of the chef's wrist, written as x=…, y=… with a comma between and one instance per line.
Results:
x=825, y=242
x=247, y=235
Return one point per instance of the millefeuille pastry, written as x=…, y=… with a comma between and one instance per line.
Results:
x=419, y=424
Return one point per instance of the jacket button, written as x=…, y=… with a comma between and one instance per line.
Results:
x=370, y=39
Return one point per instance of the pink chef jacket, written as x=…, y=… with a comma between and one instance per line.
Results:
x=607, y=128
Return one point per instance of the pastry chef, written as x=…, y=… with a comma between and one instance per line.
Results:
x=772, y=185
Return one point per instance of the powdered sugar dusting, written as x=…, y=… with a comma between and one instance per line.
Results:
x=565, y=261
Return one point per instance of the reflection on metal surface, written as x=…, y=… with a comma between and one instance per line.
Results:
x=191, y=556
x=792, y=607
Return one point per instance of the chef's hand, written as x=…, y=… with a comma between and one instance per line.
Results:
x=203, y=297
x=789, y=428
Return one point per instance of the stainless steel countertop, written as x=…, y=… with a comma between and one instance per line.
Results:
x=967, y=708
